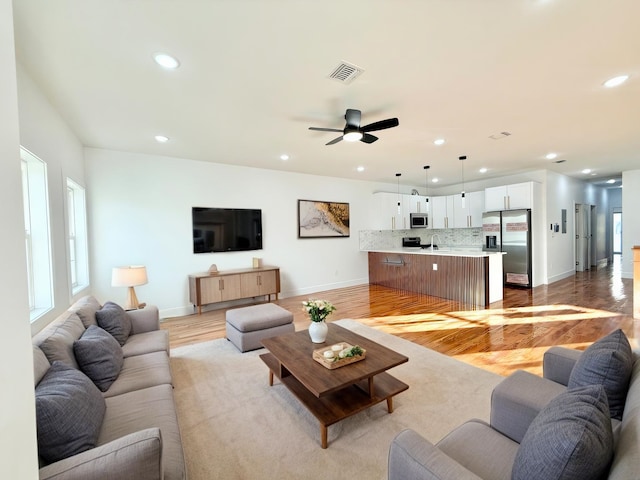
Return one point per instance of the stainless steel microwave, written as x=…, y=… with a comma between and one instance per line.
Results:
x=419, y=220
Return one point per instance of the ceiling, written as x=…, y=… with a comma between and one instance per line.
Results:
x=253, y=77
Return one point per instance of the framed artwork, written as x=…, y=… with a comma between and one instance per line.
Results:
x=322, y=219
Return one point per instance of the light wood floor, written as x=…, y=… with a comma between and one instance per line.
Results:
x=512, y=334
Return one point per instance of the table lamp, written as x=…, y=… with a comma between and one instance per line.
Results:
x=130, y=277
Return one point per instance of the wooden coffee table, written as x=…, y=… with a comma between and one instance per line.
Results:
x=332, y=395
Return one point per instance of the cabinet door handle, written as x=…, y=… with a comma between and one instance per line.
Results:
x=393, y=223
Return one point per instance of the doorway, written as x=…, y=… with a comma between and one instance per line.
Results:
x=617, y=233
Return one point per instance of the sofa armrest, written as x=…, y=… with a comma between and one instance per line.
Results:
x=558, y=363
x=136, y=456
x=518, y=399
x=144, y=320
x=412, y=457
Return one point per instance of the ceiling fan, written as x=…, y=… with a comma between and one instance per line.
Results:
x=353, y=132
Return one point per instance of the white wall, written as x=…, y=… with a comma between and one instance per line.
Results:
x=630, y=222
x=564, y=193
x=45, y=134
x=140, y=213
x=18, y=452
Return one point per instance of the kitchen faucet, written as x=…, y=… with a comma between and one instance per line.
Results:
x=434, y=235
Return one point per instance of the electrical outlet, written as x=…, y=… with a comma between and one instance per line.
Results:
x=435, y=266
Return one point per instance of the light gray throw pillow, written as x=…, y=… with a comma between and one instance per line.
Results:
x=607, y=362
x=69, y=413
x=112, y=318
x=99, y=356
x=570, y=439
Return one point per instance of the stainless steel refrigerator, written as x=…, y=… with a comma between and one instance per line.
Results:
x=512, y=237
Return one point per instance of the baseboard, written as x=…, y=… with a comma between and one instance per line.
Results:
x=561, y=276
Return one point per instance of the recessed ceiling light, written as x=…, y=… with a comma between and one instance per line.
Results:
x=360, y=168
x=435, y=180
x=616, y=81
x=483, y=170
x=439, y=141
x=161, y=139
x=284, y=156
x=586, y=171
x=611, y=180
x=166, y=61
x=551, y=155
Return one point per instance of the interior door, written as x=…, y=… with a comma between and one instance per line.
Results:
x=583, y=232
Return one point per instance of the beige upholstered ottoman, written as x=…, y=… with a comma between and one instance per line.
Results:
x=247, y=326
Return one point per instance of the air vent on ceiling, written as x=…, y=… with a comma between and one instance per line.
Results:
x=345, y=72
x=498, y=136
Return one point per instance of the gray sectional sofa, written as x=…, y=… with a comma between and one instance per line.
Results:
x=104, y=396
x=581, y=420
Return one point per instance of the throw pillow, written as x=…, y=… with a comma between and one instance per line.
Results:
x=571, y=438
x=114, y=320
x=99, y=356
x=607, y=362
x=69, y=413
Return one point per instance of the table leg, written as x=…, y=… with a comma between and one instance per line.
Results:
x=270, y=378
x=323, y=435
x=390, y=404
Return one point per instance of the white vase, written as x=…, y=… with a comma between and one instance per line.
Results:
x=318, y=331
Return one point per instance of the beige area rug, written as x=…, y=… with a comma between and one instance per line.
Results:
x=234, y=426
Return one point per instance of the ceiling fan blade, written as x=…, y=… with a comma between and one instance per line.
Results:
x=325, y=129
x=335, y=140
x=368, y=138
x=353, y=117
x=381, y=125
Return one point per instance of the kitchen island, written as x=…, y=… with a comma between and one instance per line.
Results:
x=471, y=277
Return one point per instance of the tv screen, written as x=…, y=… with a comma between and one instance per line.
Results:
x=226, y=229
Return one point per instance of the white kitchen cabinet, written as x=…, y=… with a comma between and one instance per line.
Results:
x=469, y=215
x=442, y=211
x=413, y=204
x=509, y=197
x=384, y=213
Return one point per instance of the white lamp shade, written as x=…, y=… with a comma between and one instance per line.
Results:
x=131, y=276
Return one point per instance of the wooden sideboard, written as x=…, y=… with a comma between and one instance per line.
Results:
x=206, y=288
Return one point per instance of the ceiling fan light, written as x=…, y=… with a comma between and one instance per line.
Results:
x=352, y=136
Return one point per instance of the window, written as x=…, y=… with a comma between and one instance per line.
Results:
x=77, y=237
x=37, y=236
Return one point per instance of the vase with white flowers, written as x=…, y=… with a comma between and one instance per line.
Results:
x=318, y=310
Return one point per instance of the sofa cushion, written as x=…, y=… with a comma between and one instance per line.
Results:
x=571, y=438
x=607, y=362
x=58, y=344
x=99, y=356
x=114, y=320
x=40, y=365
x=86, y=309
x=69, y=413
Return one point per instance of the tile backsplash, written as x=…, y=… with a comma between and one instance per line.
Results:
x=464, y=238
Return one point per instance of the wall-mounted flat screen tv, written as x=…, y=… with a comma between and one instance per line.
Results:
x=226, y=229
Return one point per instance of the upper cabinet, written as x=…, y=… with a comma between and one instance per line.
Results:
x=384, y=212
x=468, y=214
x=442, y=211
x=385, y=215
x=509, y=197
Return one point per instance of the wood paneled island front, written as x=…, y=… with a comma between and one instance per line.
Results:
x=474, y=278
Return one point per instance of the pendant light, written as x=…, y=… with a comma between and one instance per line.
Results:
x=399, y=206
x=426, y=184
x=462, y=159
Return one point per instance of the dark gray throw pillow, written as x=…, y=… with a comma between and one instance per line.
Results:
x=69, y=413
x=570, y=439
x=99, y=356
x=112, y=318
x=607, y=362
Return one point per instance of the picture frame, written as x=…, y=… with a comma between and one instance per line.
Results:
x=322, y=219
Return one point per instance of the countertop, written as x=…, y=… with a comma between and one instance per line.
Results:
x=445, y=251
